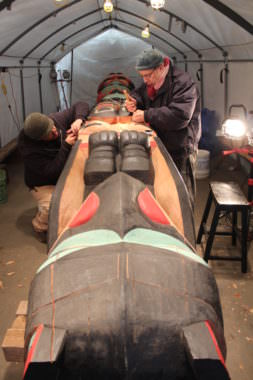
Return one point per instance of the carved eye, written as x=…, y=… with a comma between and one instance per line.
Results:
x=86, y=211
x=151, y=208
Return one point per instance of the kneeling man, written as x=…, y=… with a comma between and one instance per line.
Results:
x=45, y=143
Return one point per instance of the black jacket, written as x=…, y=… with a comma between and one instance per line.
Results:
x=44, y=160
x=174, y=113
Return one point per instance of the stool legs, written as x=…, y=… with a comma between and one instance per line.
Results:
x=234, y=225
x=204, y=217
x=209, y=242
x=227, y=198
x=244, y=238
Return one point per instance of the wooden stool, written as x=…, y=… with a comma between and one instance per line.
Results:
x=227, y=197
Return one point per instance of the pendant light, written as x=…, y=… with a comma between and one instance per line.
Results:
x=157, y=4
x=145, y=32
x=60, y=3
x=108, y=6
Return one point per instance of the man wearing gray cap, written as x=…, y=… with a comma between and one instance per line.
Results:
x=45, y=143
x=168, y=101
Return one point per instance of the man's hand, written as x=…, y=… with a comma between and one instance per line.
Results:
x=138, y=116
x=71, y=138
x=75, y=126
x=130, y=104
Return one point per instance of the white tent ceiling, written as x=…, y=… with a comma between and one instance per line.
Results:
x=36, y=28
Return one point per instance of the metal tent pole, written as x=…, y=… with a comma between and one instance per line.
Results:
x=200, y=77
x=71, y=77
x=226, y=90
x=201, y=70
x=185, y=65
x=40, y=90
x=22, y=89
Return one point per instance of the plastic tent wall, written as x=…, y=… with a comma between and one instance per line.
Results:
x=111, y=51
x=211, y=39
x=91, y=63
x=11, y=107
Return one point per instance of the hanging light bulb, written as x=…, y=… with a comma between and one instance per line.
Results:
x=157, y=4
x=145, y=32
x=61, y=3
x=62, y=47
x=108, y=6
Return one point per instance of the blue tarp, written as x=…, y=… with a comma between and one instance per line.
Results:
x=210, y=124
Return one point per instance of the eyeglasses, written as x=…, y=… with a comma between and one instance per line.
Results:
x=147, y=76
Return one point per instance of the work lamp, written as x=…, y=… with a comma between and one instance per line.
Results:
x=235, y=126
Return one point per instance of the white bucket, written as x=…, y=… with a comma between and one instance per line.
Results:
x=203, y=164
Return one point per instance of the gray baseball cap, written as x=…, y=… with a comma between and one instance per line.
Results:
x=149, y=59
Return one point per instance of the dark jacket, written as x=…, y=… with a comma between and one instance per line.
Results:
x=174, y=113
x=44, y=160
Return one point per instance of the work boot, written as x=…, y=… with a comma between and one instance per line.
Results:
x=41, y=236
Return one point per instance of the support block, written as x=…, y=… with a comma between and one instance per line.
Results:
x=14, y=342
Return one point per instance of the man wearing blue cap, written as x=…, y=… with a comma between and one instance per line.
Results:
x=169, y=102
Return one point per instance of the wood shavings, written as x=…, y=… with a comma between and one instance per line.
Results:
x=10, y=262
x=10, y=273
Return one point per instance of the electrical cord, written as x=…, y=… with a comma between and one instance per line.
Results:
x=15, y=103
x=5, y=93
